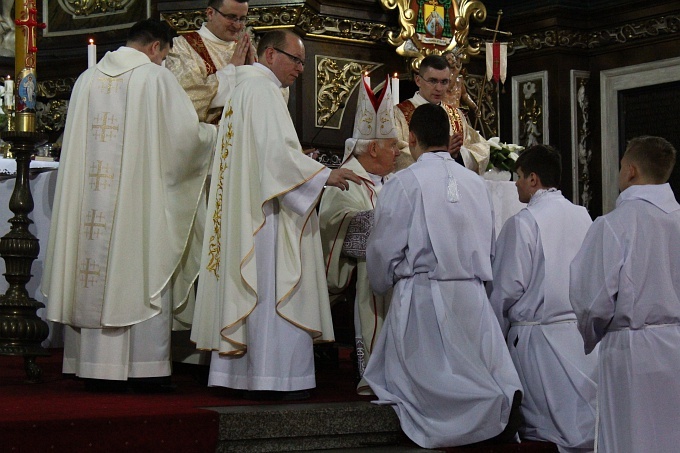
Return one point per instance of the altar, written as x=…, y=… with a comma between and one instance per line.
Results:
x=505, y=201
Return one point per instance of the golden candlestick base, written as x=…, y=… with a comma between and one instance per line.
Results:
x=9, y=111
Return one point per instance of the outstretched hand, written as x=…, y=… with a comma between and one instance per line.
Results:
x=244, y=52
x=340, y=178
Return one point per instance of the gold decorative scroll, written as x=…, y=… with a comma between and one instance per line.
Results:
x=336, y=78
x=434, y=26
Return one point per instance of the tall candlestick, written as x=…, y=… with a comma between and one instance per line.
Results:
x=91, y=54
x=9, y=92
x=395, y=88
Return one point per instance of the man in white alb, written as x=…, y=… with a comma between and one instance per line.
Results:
x=262, y=295
x=531, y=299
x=440, y=359
x=133, y=165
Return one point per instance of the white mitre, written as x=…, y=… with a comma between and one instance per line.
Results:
x=374, y=118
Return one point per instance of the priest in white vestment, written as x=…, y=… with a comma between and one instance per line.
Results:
x=198, y=59
x=440, y=359
x=466, y=144
x=262, y=295
x=346, y=216
x=531, y=299
x=625, y=290
x=133, y=164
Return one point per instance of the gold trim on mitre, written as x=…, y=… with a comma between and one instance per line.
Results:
x=374, y=118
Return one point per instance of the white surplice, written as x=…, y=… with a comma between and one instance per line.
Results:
x=531, y=299
x=262, y=295
x=441, y=359
x=625, y=290
x=337, y=209
x=154, y=186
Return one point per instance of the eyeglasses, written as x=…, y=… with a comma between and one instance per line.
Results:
x=293, y=58
x=435, y=82
x=232, y=17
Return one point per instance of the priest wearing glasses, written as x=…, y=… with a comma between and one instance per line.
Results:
x=467, y=146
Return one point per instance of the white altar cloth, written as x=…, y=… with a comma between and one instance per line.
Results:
x=505, y=201
x=43, y=180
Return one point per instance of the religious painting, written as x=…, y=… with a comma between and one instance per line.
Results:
x=530, y=109
x=434, y=26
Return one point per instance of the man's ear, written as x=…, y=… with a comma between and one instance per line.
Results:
x=633, y=171
x=372, y=149
x=411, y=139
x=534, y=180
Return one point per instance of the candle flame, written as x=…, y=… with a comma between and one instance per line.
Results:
x=396, y=76
x=91, y=41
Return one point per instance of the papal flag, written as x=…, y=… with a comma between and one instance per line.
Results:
x=496, y=61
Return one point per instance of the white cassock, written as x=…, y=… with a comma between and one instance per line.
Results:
x=531, y=299
x=119, y=260
x=337, y=209
x=441, y=359
x=475, y=150
x=625, y=290
x=262, y=295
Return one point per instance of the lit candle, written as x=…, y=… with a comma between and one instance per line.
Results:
x=91, y=54
x=367, y=79
x=395, y=88
x=9, y=92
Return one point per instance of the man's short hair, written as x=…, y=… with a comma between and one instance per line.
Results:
x=430, y=124
x=216, y=4
x=655, y=157
x=545, y=161
x=274, y=38
x=149, y=30
x=435, y=62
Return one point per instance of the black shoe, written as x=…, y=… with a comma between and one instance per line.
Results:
x=104, y=385
x=162, y=384
x=515, y=421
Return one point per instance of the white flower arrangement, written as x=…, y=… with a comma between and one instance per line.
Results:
x=502, y=155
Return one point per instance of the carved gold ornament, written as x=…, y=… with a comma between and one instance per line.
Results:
x=434, y=26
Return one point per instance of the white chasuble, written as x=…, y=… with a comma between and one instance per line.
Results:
x=263, y=191
x=106, y=126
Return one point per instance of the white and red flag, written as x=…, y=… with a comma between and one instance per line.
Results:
x=496, y=61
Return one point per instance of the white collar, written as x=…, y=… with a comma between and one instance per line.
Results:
x=269, y=73
x=210, y=36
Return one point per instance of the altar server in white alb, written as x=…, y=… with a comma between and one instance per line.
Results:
x=133, y=164
x=625, y=290
x=440, y=360
x=262, y=295
x=531, y=299
x=346, y=217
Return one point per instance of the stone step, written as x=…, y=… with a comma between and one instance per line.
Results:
x=307, y=427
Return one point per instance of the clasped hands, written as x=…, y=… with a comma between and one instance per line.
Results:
x=244, y=53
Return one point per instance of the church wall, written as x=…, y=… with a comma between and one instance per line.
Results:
x=560, y=37
x=596, y=37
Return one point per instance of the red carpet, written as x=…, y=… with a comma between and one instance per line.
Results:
x=59, y=415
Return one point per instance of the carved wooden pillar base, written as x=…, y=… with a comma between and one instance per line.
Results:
x=21, y=330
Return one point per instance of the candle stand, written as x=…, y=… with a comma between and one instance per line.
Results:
x=21, y=329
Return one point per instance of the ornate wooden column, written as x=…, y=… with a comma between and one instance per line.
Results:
x=21, y=330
